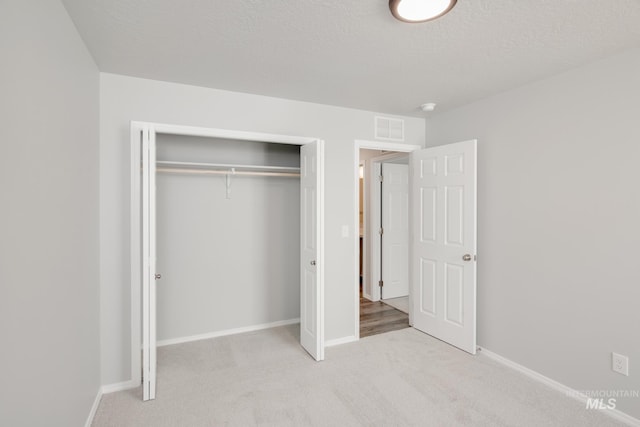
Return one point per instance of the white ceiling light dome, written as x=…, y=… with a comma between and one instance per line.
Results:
x=420, y=10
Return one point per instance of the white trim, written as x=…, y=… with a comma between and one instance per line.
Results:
x=365, y=224
x=136, y=251
x=152, y=305
x=356, y=244
x=169, y=129
x=340, y=341
x=94, y=408
x=374, y=225
x=566, y=390
x=321, y=254
x=370, y=145
x=226, y=332
x=125, y=385
x=385, y=145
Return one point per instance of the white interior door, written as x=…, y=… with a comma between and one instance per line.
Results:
x=148, y=190
x=395, y=226
x=311, y=247
x=443, y=248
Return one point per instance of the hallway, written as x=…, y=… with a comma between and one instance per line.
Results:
x=378, y=317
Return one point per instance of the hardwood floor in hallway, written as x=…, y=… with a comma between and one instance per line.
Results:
x=378, y=317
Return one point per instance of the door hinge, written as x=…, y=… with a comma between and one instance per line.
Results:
x=381, y=178
x=381, y=231
x=380, y=283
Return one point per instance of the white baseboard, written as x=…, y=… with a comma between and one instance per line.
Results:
x=105, y=389
x=94, y=408
x=125, y=385
x=338, y=341
x=226, y=332
x=568, y=391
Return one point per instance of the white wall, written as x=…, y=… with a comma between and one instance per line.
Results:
x=226, y=263
x=559, y=222
x=125, y=98
x=49, y=362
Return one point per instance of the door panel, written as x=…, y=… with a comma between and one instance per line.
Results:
x=427, y=283
x=454, y=294
x=443, y=221
x=395, y=223
x=428, y=211
x=311, y=256
x=454, y=217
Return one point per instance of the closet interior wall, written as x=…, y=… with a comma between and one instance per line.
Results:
x=228, y=259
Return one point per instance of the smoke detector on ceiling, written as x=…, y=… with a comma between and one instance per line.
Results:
x=428, y=107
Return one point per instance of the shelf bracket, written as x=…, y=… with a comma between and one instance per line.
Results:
x=227, y=179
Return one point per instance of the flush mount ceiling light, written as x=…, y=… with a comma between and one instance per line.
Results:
x=420, y=10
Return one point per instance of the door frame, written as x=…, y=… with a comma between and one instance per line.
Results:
x=370, y=145
x=136, y=127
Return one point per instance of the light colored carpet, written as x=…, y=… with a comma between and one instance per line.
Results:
x=401, y=303
x=401, y=378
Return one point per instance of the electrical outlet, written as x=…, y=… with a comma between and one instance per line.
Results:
x=620, y=364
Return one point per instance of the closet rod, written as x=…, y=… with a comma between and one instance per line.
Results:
x=228, y=166
x=225, y=172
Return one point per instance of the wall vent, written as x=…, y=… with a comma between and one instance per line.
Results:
x=389, y=129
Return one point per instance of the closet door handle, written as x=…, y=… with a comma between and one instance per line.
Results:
x=158, y=276
x=313, y=262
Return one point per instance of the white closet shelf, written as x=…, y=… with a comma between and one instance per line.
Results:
x=226, y=172
x=168, y=166
x=225, y=169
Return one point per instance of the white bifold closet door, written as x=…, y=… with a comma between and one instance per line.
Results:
x=311, y=257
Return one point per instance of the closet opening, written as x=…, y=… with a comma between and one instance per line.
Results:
x=226, y=237
x=228, y=226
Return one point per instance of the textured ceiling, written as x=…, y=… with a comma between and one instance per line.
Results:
x=353, y=53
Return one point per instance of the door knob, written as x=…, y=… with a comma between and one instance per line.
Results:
x=313, y=262
x=158, y=276
x=466, y=257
